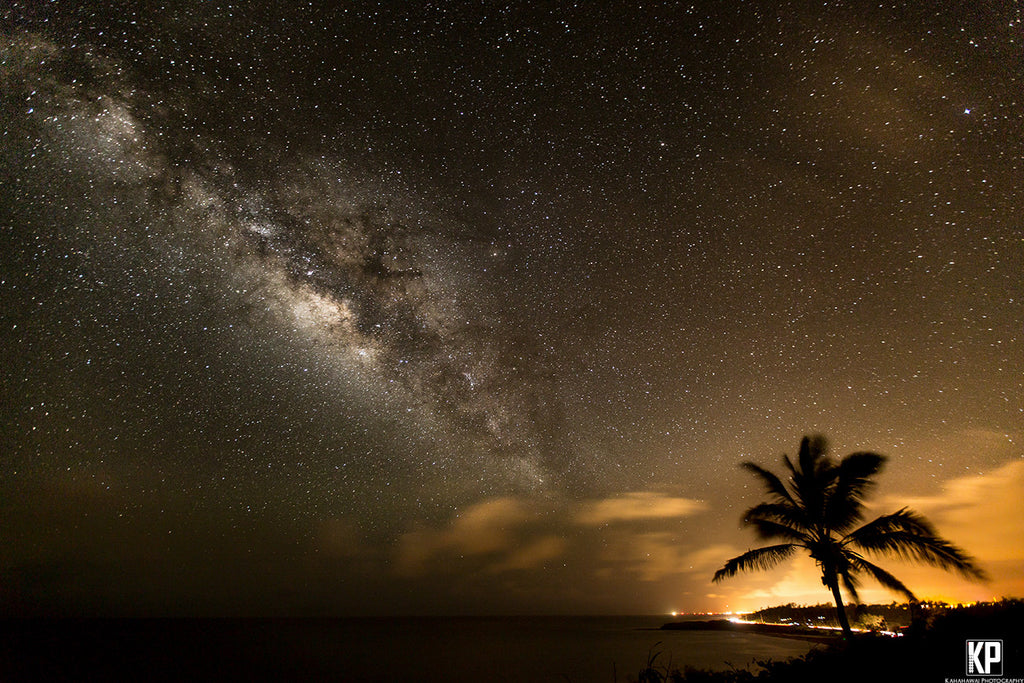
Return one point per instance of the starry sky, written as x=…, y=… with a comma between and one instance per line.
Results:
x=445, y=308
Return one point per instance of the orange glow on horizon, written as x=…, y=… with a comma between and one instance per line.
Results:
x=982, y=513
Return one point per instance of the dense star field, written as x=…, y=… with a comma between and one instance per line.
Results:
x=346, y=308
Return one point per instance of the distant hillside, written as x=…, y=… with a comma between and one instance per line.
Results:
x=872, y=617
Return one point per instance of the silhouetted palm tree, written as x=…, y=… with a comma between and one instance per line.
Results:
x=818, y=512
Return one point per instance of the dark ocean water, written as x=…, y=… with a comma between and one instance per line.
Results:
x=542, y=649
x=423, y=649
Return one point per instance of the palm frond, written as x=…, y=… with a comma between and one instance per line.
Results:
x=771, y=482
x=851, y=480
x=812, y=454
x=759, y=558
x=812, y=474
x=883, y=577
x=777, y=520
x=793, y=472
x=861, y=465
x=856, y=471
x=906, y=534
x=768, y=530
x=850, y=583
x=784, y=513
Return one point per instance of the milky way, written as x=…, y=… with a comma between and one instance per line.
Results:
x=367, y=290
x=381, y=300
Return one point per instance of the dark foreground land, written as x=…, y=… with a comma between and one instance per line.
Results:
x=253, y=650
x=933, y=649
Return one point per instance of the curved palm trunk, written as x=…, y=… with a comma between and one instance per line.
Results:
x=833, y=583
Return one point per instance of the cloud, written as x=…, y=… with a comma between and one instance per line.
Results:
x=533, y=554
x=983, y=512
x=636, y=506
x=657, y=555
x=509, y=534
x=649, y=556
x=709, y=559
x=494, y=530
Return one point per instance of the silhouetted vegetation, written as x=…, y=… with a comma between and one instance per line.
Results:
x=890, y=616
x=932, y=650
x=819, y=510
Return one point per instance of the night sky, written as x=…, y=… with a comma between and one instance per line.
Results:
x=388, y=308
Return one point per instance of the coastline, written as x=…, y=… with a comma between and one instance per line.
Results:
x=776, y=630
